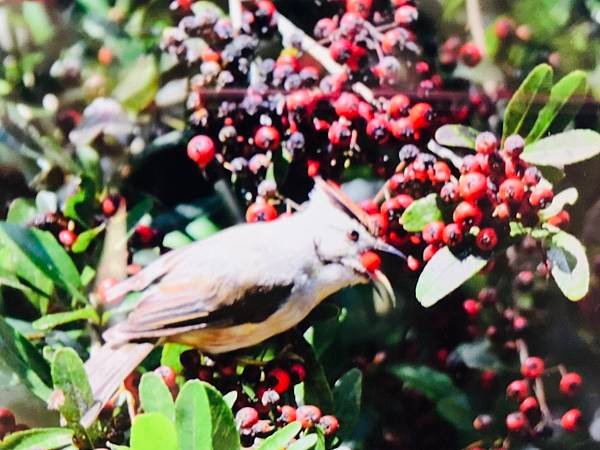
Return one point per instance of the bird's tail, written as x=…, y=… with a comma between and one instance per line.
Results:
x=106, y=370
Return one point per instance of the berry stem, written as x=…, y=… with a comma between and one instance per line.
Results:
x=475, y=22
x=538, y=385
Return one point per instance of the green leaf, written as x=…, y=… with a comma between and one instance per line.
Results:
x=84, y=239
x=80, y=205
x=171, y=354
x=281, y=438
x=138, y=85
x=304, y=443
x=201, y=228
x=69, y=377
x=43, y=250
x=224, y=431
x=46, y=438
x=456, y=136
x=38, y=21
x=456, y=410
x=193, y=417
x=155, y=396
x=526, y=100
x=136, y=213
x=571, y=87
x=421, y=212
x=176, y=239
x=21, y=211
x=347, y=394
x=570, y=266
x=444, y=273
x=230, y=399
x=24, y=360
x=50, y=321
x=316, y=387
x=153, y=431
x=479, y=355
x=567, y=197
x=562, y=149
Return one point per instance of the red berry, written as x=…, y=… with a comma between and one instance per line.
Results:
x=109, y=206
x=467, y=214
x=471, y=307
x=571, y=419
x=471, y=163
x=528, y=405
x=265, y=8
x=361, y=7
x=312, y=168
x=429, y=251
x=168, y=375
x=441, y=172
x=486, y=239
x=413, y=263
x=287, y=414
x=260, y=211
x=470, y=54
x=449, y=192
x=67, y=238
x=377, y=129
x=371, y=261
x=532, y=176
x=300, y=102
x=298, y=372
x=279, y=380
x=132, y=381
x=560, y=220
x=472, y=186
x=486, y=143
x=7, y=422
x=339, y=134
x=406, y=15
x=329, y=425
x=325, y=28
x=511, y=190
x=514, y=145
x=452, y=235
x=570, y=383
x=533, y=367
x=341, y=50
x=201, y=150
x=402, y=128
x=503, y=28
x=518, y=389
x=267, y=138
x=541, y=196
x=515, y=422
x=347, y=105
x=393, y=40
x=420, y=115
x=103, y=287
x=398, y=106
x=246, y=417
x=308, y=415
x=146, y=234
x=502, y=212
x=433, y=232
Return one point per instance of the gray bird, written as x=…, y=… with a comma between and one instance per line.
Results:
x=239, y=287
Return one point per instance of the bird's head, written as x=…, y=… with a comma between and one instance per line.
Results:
x=346, y=233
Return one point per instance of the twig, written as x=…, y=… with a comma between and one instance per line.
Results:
x=538, y=386
x=235, y=13
x=475, y=21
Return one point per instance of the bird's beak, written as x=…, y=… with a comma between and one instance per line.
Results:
x=383, y=246
x=383, y=287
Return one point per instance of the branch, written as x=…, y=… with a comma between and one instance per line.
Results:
x=538, y=386
x=475, y=22
x=235, y=13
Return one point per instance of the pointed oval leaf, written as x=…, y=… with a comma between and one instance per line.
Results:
x=153, y=431
x=224, y=431
x=46, y=438
x=155, y=395
x=420, y=213
x=444, y=273
x=305, y=443
x=570, y=266
x=281, y=438
x=347, y=394
x=456, y=136
x=176, y=239
x=316, y=387
x=566, y=99
x=138, y=85
x=193, y=417
x=50, y=321
x=563, y=149
x=527, y=99
x=567, y=197
x=84, y=239
x=201, y=228
x=171, y=355
x=21, y=211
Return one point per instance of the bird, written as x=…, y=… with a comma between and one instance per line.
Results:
x=239, y=287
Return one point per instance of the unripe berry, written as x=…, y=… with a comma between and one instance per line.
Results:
x=467, y=214
x=516, y=422
x=570, y=383
x=267, y=138
x=308, y=416
x=279, y=380
x=201, y=150
x=486, y=143
x=246, y=417
x=398, y=106
x=471, y=307
x=518, y=389
x=511, y=191
x=329, y=425
x=533, y=367
x=472, y=186
x=371, y=261
x=486, y=239
x=571, y=419
x=260, y=211
x=514, y=145
x=168, y=375
x=452, y=235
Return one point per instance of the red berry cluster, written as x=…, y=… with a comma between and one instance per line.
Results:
x=8, y=423
x=454, y=50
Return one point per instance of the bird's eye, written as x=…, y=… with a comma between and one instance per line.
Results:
x=353, y=235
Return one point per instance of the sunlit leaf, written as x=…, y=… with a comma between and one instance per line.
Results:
x=570, y=266
x=562, y=149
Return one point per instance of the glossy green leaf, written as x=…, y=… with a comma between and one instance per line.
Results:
x=527, y=100
x=193, y=417
x=562, y=149
x=24, y=361
x=456, y=136
x=316, y=387
x=21, y=211
x=42, y=438
x=230, y=399
x=138, y=85
x=347, y=395
x=50, y=321
x=281, y=439
x=85, y=239
x=38, y=21
x=421, y=212
x=171, y=354
x=570, y=266
x=304, y=443
x=69, y=378
x=81, y=205
x=224, y=431
x=479, y=355
x=176, y=239
x=153, y=431
x=155, y=395
x=201, y=228
x=444, y=273
x=566, y=99
x=567, y=197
